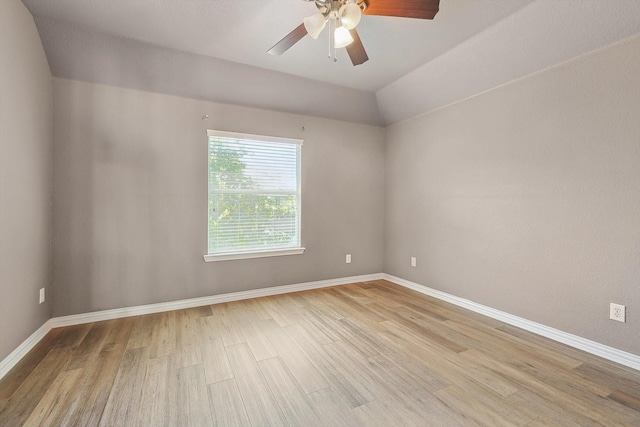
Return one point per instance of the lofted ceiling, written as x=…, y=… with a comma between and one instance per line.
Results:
x=415, y=65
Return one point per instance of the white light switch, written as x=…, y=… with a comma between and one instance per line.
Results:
x=348, y=258
x=413, y=261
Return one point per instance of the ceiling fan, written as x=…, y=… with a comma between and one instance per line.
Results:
x=344, y=16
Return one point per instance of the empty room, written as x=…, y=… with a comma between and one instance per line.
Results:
x=319, y=213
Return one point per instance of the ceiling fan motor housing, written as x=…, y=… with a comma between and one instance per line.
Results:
x=326, y=6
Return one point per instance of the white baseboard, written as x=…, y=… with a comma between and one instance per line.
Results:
x=601, y=350
x=117, y=313
x=76, y=319
x=606, y=352
x=16, y=355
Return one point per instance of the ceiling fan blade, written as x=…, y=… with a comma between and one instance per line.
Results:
x=422, y=9
x=289, y=40
x=356, y=50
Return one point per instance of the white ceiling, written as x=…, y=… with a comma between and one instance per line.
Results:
x=216, y=50
x=243, y=30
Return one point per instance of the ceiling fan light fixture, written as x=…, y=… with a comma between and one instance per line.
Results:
x=350, y=15
x=314, y=24
x=343, y=16
x=343, y=37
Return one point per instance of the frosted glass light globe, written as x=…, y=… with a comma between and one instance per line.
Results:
x=343, y=37
x=350, y=15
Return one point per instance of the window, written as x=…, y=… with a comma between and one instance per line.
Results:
x=254, y=196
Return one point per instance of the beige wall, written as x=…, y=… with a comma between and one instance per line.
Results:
x=527, y=198
x=130, y=198
x=25, y=176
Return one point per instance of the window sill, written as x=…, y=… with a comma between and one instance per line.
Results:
x=229, y=256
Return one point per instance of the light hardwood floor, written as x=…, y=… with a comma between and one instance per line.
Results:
x=366, y=354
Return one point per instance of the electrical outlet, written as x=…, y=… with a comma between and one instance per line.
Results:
x=41, y=296
x=617, y=312
x=348, y=260
x=413, y=261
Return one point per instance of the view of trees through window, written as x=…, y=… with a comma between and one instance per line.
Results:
x=242, y=214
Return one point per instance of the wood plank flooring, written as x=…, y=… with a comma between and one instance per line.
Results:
x=365, y=354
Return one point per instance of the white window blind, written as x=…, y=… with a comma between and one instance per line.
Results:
x=254, y=195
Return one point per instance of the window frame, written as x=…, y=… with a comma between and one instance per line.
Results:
x=255, y=252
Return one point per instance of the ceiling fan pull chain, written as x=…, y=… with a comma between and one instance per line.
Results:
x=332, y=40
